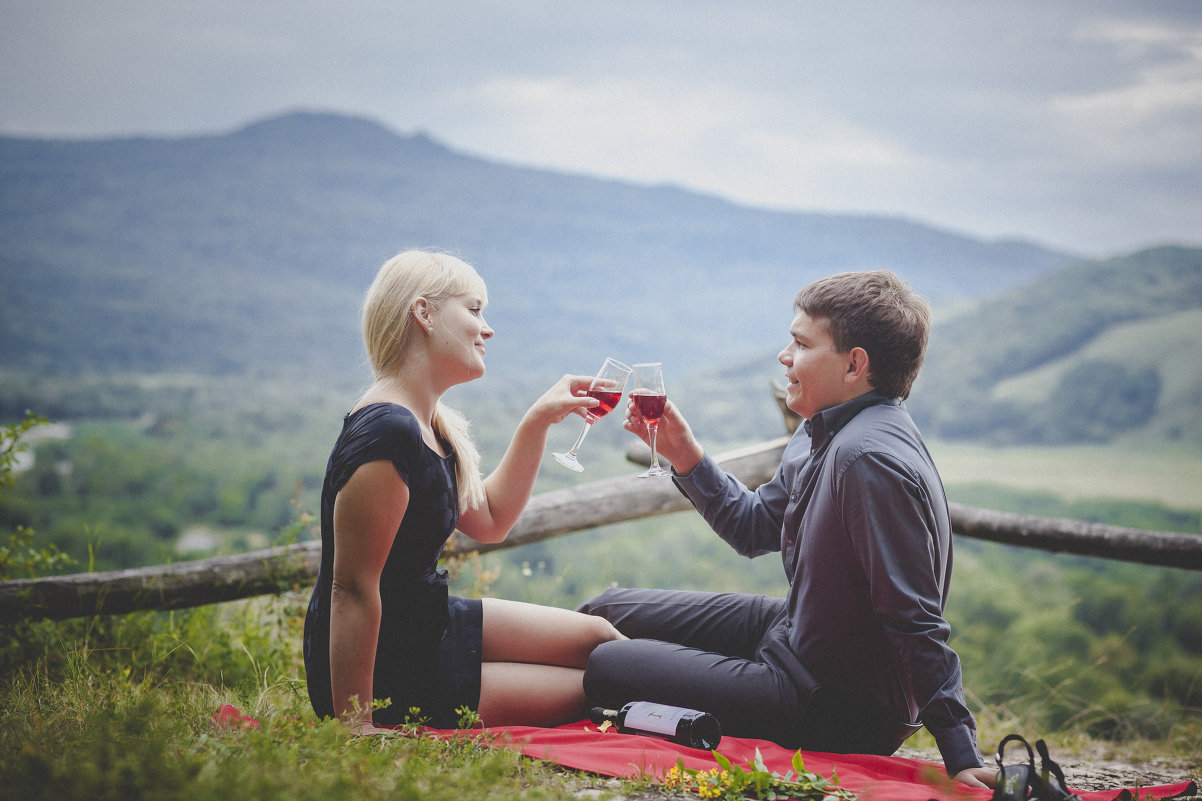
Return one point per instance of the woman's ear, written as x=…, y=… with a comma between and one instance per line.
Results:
x=421, y=313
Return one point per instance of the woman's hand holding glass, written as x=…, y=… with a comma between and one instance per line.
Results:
x=649, y=415
x=606, y=387
x=567, y=396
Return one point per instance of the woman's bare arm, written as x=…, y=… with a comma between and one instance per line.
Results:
x=367, y=514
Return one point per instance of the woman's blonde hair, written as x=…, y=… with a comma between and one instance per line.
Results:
x=387, y=328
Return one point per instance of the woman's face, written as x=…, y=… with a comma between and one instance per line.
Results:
x=458, y=335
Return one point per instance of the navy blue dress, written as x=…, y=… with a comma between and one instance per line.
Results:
x=428, y=653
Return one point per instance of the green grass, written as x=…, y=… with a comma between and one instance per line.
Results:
x=123, y=709
x=103, y=736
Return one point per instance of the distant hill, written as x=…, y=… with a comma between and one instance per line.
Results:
x=1093, y=351
x=248, y=253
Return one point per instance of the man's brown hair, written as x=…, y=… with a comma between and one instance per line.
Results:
x=878, y=312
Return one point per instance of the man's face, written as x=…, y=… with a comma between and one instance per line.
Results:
x=814, y=368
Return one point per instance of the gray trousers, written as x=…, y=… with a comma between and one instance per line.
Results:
x=727, y=654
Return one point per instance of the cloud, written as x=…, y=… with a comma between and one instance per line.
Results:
x=1154, y=117
x=1074, y=123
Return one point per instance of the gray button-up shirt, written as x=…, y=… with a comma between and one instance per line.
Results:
x=859, y=515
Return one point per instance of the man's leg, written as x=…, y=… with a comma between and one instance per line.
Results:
x=726, y=623
x=722, y=653
x=749, y=698
x=696, y=650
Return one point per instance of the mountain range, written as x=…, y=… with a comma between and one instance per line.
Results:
x=230, y=252
x=247, y=253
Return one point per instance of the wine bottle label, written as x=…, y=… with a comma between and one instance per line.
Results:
x=654, y=718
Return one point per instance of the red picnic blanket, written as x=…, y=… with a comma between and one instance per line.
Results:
x=583, y=746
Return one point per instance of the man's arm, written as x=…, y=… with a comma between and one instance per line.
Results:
x=750, y=522
x=902, y=539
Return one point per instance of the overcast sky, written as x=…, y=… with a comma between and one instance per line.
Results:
x=1075, y=123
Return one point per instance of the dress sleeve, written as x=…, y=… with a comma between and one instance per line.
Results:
x=382, y=433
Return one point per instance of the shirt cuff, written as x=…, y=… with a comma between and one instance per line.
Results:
x=958, y=746
x=701, y=483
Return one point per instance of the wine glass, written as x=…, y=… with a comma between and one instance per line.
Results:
x=607, y=387
x=649, y=398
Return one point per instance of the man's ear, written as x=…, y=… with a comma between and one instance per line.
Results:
x=858, y=367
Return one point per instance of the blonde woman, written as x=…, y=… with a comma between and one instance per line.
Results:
x=402, y=476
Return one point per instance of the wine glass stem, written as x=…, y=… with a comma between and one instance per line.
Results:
x=651, y=429
x=588, y=424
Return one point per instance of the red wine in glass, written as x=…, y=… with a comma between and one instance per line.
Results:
x=650, y=407
x=608, y=398
x=607, y=387
x=649, y=398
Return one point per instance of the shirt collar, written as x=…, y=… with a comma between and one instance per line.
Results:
x=828, y=422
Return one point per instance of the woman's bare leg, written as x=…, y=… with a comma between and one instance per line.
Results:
x=516, y=694
x=533, y=658
x=541, y=635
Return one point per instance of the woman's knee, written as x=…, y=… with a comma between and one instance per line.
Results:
x=603, y=631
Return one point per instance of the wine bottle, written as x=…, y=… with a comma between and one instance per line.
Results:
x=676, y=724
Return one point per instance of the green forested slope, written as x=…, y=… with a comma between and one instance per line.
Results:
x=1090, y=352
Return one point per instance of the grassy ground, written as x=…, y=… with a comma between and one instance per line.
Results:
x=123, y=708
x=111, y=737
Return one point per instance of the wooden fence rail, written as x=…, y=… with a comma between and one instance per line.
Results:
x=548, y=514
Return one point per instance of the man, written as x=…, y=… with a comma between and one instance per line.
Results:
x=855, y=658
